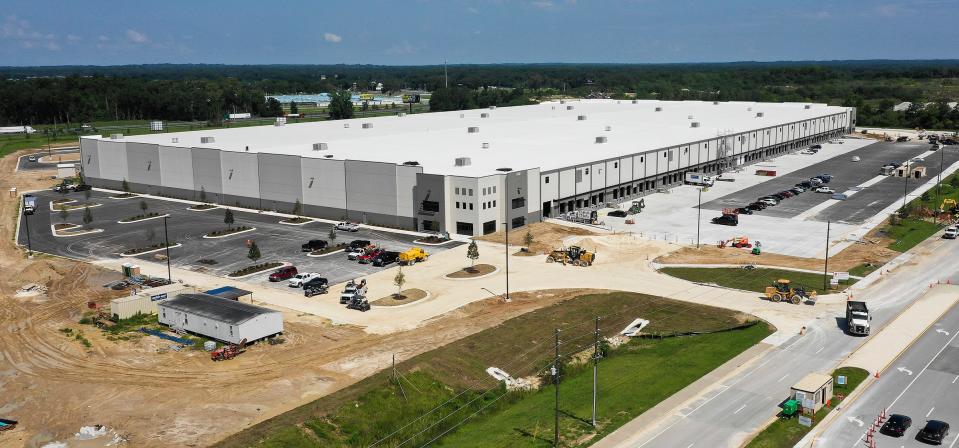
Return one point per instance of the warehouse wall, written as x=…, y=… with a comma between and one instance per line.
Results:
x=280, y=181
x=90, y=158
x=143, y=167
x=405, y=181
x=371, y=192
x=432, y=188
x=113, y=160
x=206, y=173
x=240, y=174
x=324, y=187
x=176, y=171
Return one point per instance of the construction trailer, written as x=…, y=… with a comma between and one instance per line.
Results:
x=220, y=319
x=144, y=301
x=812, y=392
x=66, y=170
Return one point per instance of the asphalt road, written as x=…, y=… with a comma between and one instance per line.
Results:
x=277, y=242
x=847, y=174
x=24, y=164
x=923, y=383
x=726, y=414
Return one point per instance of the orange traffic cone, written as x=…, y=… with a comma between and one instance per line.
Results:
x=877, y=374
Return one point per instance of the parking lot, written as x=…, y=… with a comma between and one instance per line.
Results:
x=878, y=193
x=277, y=242
x=24, y=163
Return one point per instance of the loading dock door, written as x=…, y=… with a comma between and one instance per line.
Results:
x=547, y=208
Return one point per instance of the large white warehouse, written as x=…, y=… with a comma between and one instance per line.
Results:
x=465, y=172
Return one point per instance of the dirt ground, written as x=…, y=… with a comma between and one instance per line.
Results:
x=873, y=251
x=546, y=236
x=52, y=384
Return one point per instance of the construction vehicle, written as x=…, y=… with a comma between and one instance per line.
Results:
x=737, y=242
x=103, y=319
x=29, y=204
x=637, y=207
x=413, y=255
x=228, y=351
x=857, y=318
x=574, y=255
x=358, y=303
x=782, y=289
x=948, y=205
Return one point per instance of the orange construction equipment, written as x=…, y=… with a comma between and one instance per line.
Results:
x=737, y=242
x=228, y=352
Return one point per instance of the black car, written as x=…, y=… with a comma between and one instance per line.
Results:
x=949, y=141
x=779, y=196
x=357, y=244
x=385, y=258
x=617, y=213
x=756, y=206
x=935, y=432
x=726, y=220
x=744, y=211
x=795, y=191
x=82, y=187
x=805, y=184
x=316, y=282
x=896, y=426
x=312, y=245
x=815, y=147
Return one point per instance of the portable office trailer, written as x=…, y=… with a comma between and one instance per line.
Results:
x=220, y=319
x=813, y=391
x=144, y=301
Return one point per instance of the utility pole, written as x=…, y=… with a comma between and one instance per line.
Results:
x=595, y=367
x=905, y=184
x=166, y=237
x=825, y=270
x=935, y=215
x=26, y=221
x=446, y=76
x=699, y=215
x=555, y=371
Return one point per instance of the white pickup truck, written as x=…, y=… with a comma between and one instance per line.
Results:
x=299, y=279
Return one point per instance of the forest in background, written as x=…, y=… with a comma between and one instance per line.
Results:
x=72, y=95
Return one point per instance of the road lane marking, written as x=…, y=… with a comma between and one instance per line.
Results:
x=858, y=441
x=820, y=349
x=784, y=377
x=744, y=406
x=951, y=445
x=916, y=377
x=690, y=445
x=954, y=382
x=930, y=411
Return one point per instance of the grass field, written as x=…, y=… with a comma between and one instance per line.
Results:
x=783, y=433
x=746, y=279
x=361, y=414
x=909, y=232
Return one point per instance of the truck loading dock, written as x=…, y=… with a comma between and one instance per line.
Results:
x=464, y=172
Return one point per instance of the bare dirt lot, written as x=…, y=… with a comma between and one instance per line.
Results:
x=546, y=236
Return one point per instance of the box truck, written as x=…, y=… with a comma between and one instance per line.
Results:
x=699, y=179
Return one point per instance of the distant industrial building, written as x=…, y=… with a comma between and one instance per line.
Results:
x=220, y=318
x=465, y=172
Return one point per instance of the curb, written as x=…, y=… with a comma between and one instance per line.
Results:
x=309, y=220
x=284, y=264
x=327, y=254
x=490, y=274
x=150, y=251
x=165, y=215
x=415, y=302
x=229, y=234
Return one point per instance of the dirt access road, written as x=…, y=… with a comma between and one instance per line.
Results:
x=52, y=384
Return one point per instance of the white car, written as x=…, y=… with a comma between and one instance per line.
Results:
x=807, y=151
x=951, y=233
x=299, y=279
x=356, y=253
x=347, y=226
x=856, y=158
x=824, y=190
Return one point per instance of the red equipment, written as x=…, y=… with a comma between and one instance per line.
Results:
x=227, y=352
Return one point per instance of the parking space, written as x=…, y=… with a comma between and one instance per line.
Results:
x=277, y=242
x=847, y=174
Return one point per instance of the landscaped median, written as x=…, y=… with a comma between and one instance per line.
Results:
x=756, y=279
x=255, y=269
x=788, y=432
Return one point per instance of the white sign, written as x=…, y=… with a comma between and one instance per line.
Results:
x=805, y=421
x=834, y=281
x=841, y=380
x=840, y=275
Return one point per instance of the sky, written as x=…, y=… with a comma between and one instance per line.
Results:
x=426, y=32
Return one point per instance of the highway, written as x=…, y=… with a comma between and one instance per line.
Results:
x=922, y=383
x=727, y=413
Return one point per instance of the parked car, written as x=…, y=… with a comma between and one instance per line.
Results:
x=302, y=277
x=805, y=184
x=386, y=258
x=840, y=196
x=369, y=256
x=935, y=432
x=951, y=233
x=316, y=282
x=756, y=206
x=769, y=201
x=799, y=188
x=353, y=254
x=807, y=151
x=82, y=187
x=744, y=211
x=726, y=220
x=617, y=213
x=824, y=190
x=896, y=426
x=779, y=196
x=359, y=244
x=825, y=177
x=815, y=147
x=32, y=158
x=856, y=158
x=284, y=273
x=786, y=194
x=347, y=226
x=312, y=245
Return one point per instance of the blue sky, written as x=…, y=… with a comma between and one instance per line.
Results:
x=397, y=32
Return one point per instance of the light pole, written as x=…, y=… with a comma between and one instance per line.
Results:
x=26, y=222
x=942, y=155
x=506, y=227
x=905, y=185
x=699, y=214
x=166, y=237
x=825, y=269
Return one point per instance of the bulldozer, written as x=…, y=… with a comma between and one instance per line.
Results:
x=783, y=289
x=574, y=255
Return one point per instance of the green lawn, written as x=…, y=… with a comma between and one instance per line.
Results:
x=782, y=433
x=864, y=269
x=909, y=232
x=746, y=279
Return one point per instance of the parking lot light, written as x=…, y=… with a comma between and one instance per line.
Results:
x=166, y=237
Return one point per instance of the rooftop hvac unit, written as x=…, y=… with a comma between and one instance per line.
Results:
x=808, y=106
x=484, y=115
x=749, y=109
x=462, y=161
x=609, y=128
x=176, y=139
x=562, y=101
x=492, y=108
x=411, y=163
x=715, y=103
x=328, y=156
x=116, y=136
x=485, y=145
x=158, y=125
x=569, y=107
x=207, y=140
x=694, y=124
x=367, y=125
x=320, y=147
x=581, y=118
x=635, y=101
x=401, y=114
x=462, y=115
x=600, y=139
x=346, y=125
x=759, y=114
x=472, y=129
x=659, y=109
x=689, y=117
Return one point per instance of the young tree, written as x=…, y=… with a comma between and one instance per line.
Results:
x=144, y=206
x=254, y=253
x=125, y=186
x=472, y=252
x=293, y=108
x=64, y=213
x=228, y=218
x=273, y=108
x=87, y=217
x=203, y=195
x=399, y=281
x=340, y=106
x=528, y=239
x=297, y=208
x=954, y=182
x=332, y=236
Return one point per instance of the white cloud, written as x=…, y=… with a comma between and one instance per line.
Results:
x=20, y=31
x=137, y=37
x=401, y=49
x=333, y=38
x=73, y=38
x=543, y=4
x=472, y=10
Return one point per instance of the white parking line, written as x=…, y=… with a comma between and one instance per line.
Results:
x=744, y=406
x=930, y=411
x=784, y=377
x=820, y=349
x=954, y=379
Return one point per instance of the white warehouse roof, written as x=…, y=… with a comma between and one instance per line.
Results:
x=548, y=135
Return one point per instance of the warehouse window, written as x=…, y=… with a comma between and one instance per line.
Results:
x=484, y=206
x=494, y=189
x=430, y=206
x=519, y=203
x=489, y=227
x=519, y=222
x=546, y=179
x=641, y=158
x=464, y=228
x=432, y=226
x=231, y=330
x=579, y=176
x=494, y=202
x=457, y=190
x=587, y=170
x=457, y=204
x=471, y=205
x=471, y=191
x=615, y=164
